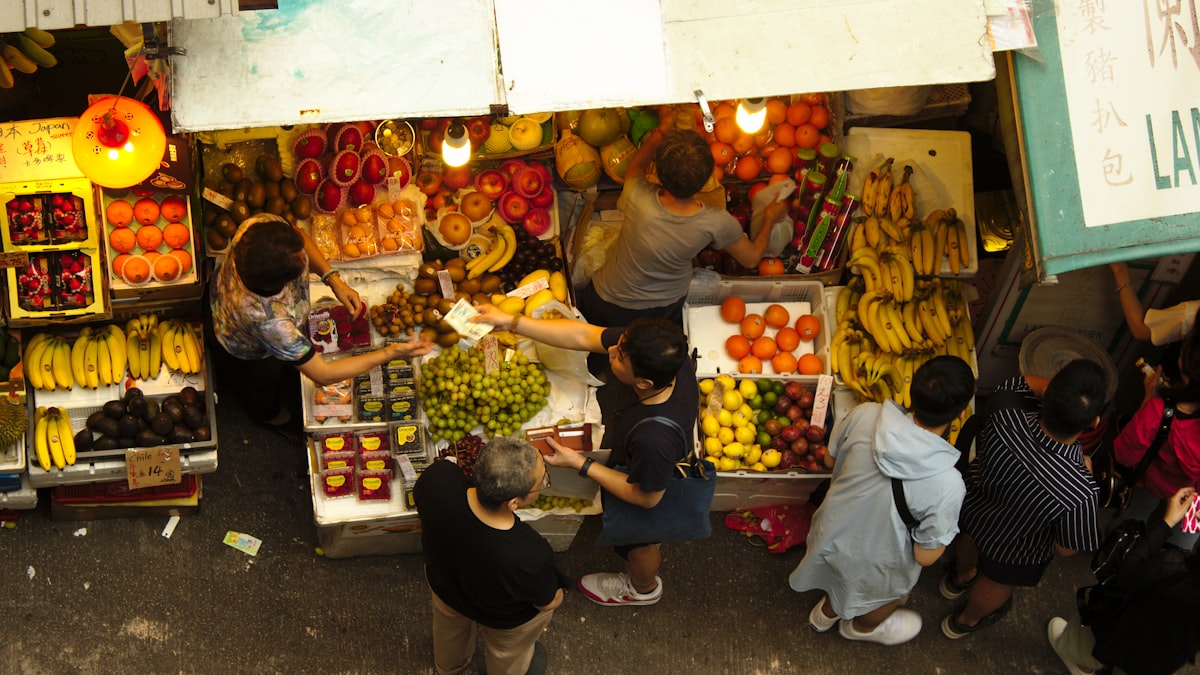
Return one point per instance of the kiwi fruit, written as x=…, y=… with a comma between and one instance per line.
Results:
x=424, y=286
x=447, y=339
x=457, y=272
x=232, y=172
x=272, y=170
x=226, y=225
x=275, y=205
x=287, y=190
x=241, y=189
x=428, y=270
x=209, y=217
x=302, y=206
x=256, y=196
x=489, y=283
x=214, y=240
x=239, y=210
x=272, y=189
x=225, y=188
x=260, y=166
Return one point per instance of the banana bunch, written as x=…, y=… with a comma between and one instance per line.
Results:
x=504, y=247
x=143, y=346
x=98, y=357
x=180, y=349
x=53, y=439
x=47, y=361
x=950, y=239
x=24, y=52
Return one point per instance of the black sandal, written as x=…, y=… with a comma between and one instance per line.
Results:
x=954, y=630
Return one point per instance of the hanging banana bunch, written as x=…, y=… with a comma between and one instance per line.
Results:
x=24, y=52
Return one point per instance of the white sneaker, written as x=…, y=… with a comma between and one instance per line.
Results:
x=902, y=626
x=615, y=588
x=818, y=620
x=1054, y=631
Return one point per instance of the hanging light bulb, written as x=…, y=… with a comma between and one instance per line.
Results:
x=456, y=146
x=118, y=142
x=751, y=114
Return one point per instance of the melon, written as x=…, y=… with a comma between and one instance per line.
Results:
x=577, y=162
x=599, y=126
x=615, y=158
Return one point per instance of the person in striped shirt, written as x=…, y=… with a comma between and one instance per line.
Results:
x=1029, y=495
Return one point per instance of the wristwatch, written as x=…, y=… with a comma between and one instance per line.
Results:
x=587, y=464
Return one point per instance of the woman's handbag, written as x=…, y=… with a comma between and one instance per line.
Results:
x=681, y=514
x=1116, y=481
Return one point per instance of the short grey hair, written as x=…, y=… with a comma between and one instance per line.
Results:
x=504, y=470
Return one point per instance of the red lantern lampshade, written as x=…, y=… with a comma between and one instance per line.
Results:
x=118, y=142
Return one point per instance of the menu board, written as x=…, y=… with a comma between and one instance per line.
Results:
x=35, y=150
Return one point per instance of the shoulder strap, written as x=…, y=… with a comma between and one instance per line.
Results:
x=666, y=421
x=902, y=504
x=1164, y=428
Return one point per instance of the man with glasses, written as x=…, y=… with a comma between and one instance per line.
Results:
x=488, y=571
x=651, y=376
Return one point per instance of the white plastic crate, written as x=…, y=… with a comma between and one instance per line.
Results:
x=24, y=498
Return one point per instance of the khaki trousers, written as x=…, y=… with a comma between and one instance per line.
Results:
x=508, y=650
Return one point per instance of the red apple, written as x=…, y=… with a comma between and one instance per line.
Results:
x=361, y=193
x=815, y=433
x=789, y=433
x=439, y=199
x=429, y=123
x=537, y=222
x=478, y=130
x=509, y=167
x=491, y=183
x=527, y=182
x=436, y=136
x=547, y=175
x=429, y=182
x=374, y=169
x=513, y=207
x=308, y=174
x=456, y=177
x=543, y=199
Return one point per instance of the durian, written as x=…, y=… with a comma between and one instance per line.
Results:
x=13, y=419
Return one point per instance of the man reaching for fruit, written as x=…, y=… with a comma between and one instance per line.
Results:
x=260, y=307
x=649, y=266
x=652, y=376
x=861, y=552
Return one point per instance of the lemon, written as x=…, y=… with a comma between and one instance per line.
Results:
x=709, y=425
x=727, y=464
x=728, y=381
x=725, y=418
x=758, y=466
x=740, y=420
x=712, y=447
x=746, y=410
x=753, y=454
x=733, y=450
x=744, y=435
x=771, y=458
x=725, y=435
x=733, y=400
x=748, y=389
x=706, y=386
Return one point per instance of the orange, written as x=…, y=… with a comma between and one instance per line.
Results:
x=722, y=153
x=810, y=364
x=724, y=110
x=166, y=268
x=787, y=339
x=725, y=129
x=807, y=136
x=776, y=111
x=779, y=161
x=185, y=260
x=750, y=365
x=742, y=142
x=755, y=189
x=733, y=309
x=764, y=348
x=119, y=213
x=777, y=177
x=762, y=138
x=737, y=347
x=122, y=240
x=798, y=113
x=777, y=315
x=770, y=267
x=177, y=235
x=748, y=167
x=785, y=135
x=784, y=363
x=146, y=211
x=820, y=116
x=808, y=326
x=119, y=262
x=149, y=237
x=174, y=209
x=753, y=326
x=151, y=256
x=136, y=270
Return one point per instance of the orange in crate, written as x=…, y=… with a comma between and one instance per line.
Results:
x=810, y=364
x=753, y=326
x=184, y=258
x=733, y=309
x=146, y=211
x=764, y=348
x=787, y=339
x=176, y=235
x=136, y=270
x=750, y=365
x=784, y=363
x=149, y=237
x=737, y=346
x=119, y=213
x=777, y=315
x=122, y=240
x=808, y=326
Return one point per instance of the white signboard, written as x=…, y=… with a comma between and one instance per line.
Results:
x=1132, y=73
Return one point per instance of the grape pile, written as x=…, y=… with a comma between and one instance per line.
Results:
x=548, y=503
x=458, y=394
x=532, y=254
x=466, y=451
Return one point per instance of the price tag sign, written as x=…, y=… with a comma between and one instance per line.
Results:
x=14, y=259
x=491, y=353
x=148, y=467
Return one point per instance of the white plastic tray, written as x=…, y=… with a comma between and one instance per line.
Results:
x=944, y=158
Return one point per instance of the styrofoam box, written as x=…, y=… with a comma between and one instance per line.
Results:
x=944, y=179
x=559, y=526
x=707, y=331
x=380, y=536
x=24, y=498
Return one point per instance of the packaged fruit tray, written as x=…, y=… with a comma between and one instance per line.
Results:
x=37, y=216
x=791, y=312
x=56, y=282
x=150, y=239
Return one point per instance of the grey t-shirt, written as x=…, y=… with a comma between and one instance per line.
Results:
x=650, y=264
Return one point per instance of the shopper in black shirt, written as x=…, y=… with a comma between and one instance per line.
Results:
x=484, y=566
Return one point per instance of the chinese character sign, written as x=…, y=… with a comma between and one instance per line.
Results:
x=1132, y=75
x=37, y=150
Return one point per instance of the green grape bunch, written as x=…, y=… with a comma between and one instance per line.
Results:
x=459, y=394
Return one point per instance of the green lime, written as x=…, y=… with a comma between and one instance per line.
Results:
x=769, y=398
x=763, y=438
x=756, y=403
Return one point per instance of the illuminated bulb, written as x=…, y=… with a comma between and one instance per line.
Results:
x=456, y=146
x=751, y=114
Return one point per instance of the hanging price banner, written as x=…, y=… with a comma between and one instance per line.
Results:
x=147, y=467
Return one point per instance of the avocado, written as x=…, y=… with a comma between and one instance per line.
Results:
x=108, y=427
x=105, y=443
x=128, y=426
x=114, y=409
x=148, y=438
x=93, y=420
x=151, y=409
x=162, y=424
x=136, y=406
x=193, y=417
x=174, y=409
x=83, y=440
x=189, y=396
x=180, y=434
x=201, y=435
x=131, y=393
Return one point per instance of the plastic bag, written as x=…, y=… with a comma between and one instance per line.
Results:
x=780, y=527
x=598, y=238
x=781, y=234
x=569, y=363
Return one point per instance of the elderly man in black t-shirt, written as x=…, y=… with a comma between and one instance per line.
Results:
x=485, y=567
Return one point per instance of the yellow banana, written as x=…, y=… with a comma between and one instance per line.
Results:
x=952, y=246
x=845, y=366
x=143, y=348
x=45, y=364
x=134, y=328
x=61, y=365
x=864, y=310
x=900, y=205
x=133, y=348
x=916, y=242
x=151, y=322
x=870, y=185
x=867, y=260
x=912, y=325
x=116, y=349
x=942, y=314
x=964, y=253
x=907, y=278
x=32, y=358
x=510, y=246
x=888, y=227
x=6, y=76
x=35, y=52
x=939, y=245
x=91, y=362
x=155, y=357
x=843, y=303
x=40, y=446
x=169, y=355
x=179, y=337
x=191, y=347
x=54, y=439
x=42, y=38
x=66, y=436
x=883, y=335
x=928, y=251
x=78, y=370
x=858, y=237
x=895, y=324
x=103, y=361
x=883, y=189
x=871, y=231
x=480, y=264
x=17, y=59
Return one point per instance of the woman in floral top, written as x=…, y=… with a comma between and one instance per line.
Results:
x=260, y=312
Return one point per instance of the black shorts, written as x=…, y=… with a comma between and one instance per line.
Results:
x=1009, y=574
